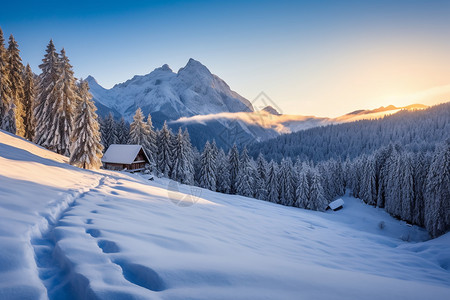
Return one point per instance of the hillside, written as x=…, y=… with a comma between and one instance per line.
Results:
x=84, y=235
x=416, y=129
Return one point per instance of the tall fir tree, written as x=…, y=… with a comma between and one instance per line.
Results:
x=222, y=172
x=86, y=147
x=302, y=192
x=139, y=130
x=261, y=178
x=246, y=174
x=109, y=131
x=7, y=121
x=16, y=70
x=285, y=182
x=28, y=101
x=164, y=154
x=208, y=168
x=151, y=145
x=272, y=182
x=437, y=200
x=123, y=131
x=182, y=169
x=233, y=159
x=48, y=98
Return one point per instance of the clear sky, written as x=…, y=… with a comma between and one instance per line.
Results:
x=323, y=58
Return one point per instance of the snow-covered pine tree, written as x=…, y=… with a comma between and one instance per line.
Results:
x=6, y=104
x=245, y=178
x=28, y=102
x=302, y=192
x=63, y=110
x=123, y=131
x=222, y=173
x=138, y=130
x=164, y=154
x=86, y=148
x=182, y=169
x=208, y=168
x=261, y=178
x=421, y=167
x=151, y=144
x=368, y=184
x=407, y=182
x=233, y=159
x=272, y=182
x=285, y=182
x=47, y=98
x=189, y=172
x=16, y=70
x=316, y=199
x=109, y=131
x=437, y=199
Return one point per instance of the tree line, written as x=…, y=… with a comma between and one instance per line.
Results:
x=412, y=186
x=54, y=109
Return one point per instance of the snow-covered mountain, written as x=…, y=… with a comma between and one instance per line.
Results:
x=203, y=103
x=167, y=95
x=67, y=233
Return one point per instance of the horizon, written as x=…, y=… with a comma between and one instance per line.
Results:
x=323, y=59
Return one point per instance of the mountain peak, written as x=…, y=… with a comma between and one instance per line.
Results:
x=271, y=110
x=195, y=66
x=164, y=67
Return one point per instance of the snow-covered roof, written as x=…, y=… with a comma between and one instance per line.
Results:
x=121, y=154
x=336, y=204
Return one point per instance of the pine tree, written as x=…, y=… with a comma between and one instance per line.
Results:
x=244, y=181
x=207, y=168
x=63, y=109
x=302, y=192
x=164, y=154
x=261, y=178
x=272, y=182
x=47, y=98
x=109, y=131
x=139, y=130
x=233, y=158
x=285, y=182
x=28, y=101
x=123, y=131
x=182, y=169
x=16, y=71
x=6, y=103
x=151, y=140
x=86, y=149
x=222, y=172
x=316, y=199
x=437, y=204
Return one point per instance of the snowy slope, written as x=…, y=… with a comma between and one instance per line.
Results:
x=104, y=235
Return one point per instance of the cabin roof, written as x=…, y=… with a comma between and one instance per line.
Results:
x=122, y=154
x=336, y=204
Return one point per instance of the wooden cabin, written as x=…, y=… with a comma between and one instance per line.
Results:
x=336, y=204
x=129, y=158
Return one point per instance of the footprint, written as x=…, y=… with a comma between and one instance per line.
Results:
x=89, y=221
x=95, y=233
x=94, y=211
x=114, y=193
x=141, y=275
x=108, y=246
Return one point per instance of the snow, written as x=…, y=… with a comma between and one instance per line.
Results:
x=336, y=204
x=84, y=234
x=121, y=154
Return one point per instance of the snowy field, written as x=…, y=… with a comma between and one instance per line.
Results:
x=66, y=233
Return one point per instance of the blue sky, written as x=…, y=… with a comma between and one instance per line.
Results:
x=323, y=58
